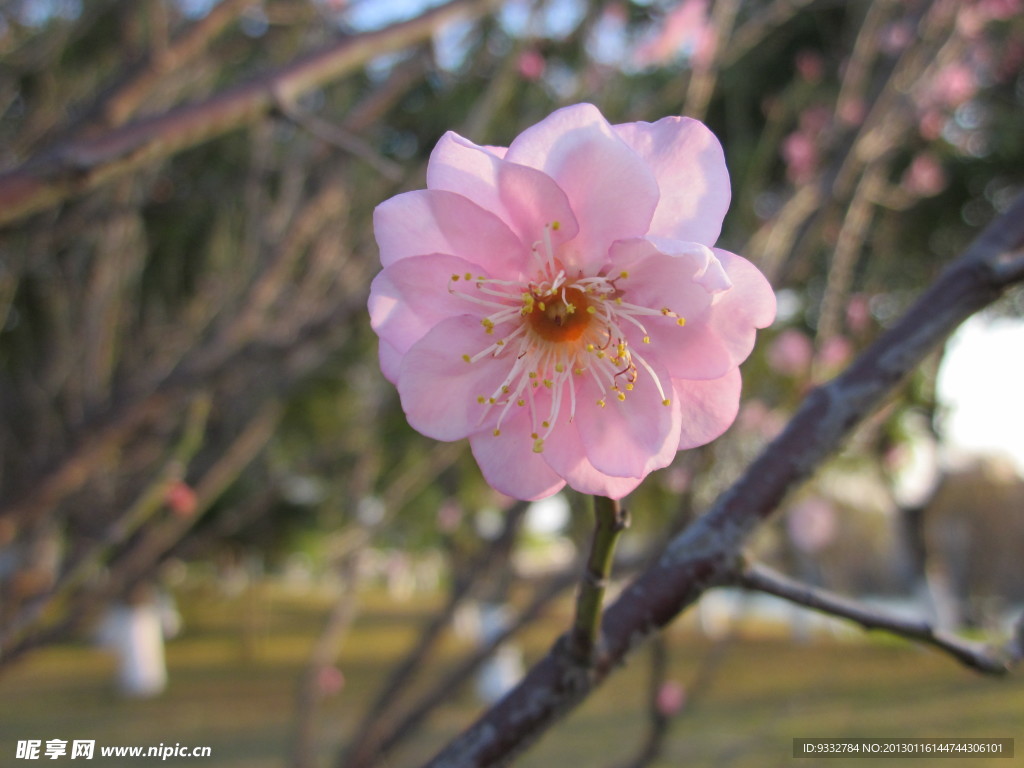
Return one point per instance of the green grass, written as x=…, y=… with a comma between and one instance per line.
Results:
x=233, y=679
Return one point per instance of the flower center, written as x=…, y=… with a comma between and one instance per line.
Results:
x=560, y=317
x=553, y=332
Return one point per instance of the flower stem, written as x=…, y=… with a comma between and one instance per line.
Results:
x=610, y=520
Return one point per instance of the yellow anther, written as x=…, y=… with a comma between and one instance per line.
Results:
x=559, y=368
x=666, y=402
x=545, y=424
x=455, y=278
x=601, y=402
x=468, y=276
x=591, y=310
x=481, y=399
x=623, y=274
x=681, y=322
x=497, y=433
x=548, y=383
x=620, y=395
x=538, y=445
x=467, y=358
x=520, y=402
x=647, y=339
x=556, y=225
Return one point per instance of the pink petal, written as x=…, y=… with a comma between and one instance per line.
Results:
x=412, y=295
x=681, y=280
x=751, y=300
x=390, y=360
x=708, y=407
x=509, y=463
x=612, y=192
x=633, y=437
x=689, y=165
x=440, y=390
x=524, y=198
x=565, y=454
x=434, y=221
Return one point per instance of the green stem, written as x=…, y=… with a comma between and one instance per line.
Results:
x=610, y=520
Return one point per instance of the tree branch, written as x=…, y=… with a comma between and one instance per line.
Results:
x=79, y=165
x=707, y=552
x=979, y=656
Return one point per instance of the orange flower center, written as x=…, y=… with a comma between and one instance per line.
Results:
x=561, y=316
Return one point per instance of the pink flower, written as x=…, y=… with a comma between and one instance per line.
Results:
x=558, y=302
x=924, y=176
x=671, y=698
x=531, y=64
x=791, y=353
x=180, y=497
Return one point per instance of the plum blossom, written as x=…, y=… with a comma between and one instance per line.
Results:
x=559, y=301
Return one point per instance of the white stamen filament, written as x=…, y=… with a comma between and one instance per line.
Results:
x=555, y=328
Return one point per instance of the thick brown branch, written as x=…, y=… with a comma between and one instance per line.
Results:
x=981, y=657
x=80, y=165
x=707, y=552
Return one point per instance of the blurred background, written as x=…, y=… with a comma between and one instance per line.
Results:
x=216, y=528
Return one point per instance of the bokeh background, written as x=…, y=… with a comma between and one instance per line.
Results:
x=216, y=527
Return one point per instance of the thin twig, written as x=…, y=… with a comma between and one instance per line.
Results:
x=337, y=136
x=77, y=166
x=979, y=656
x=610, y=520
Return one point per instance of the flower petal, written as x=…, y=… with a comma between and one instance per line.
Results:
x=689, y=165
x=413, y=295
x=564, y=453
x=435, y=221
x=524, y=198
x=708, y=407
x=440, y=391
x=612, y=191
x=509, y=464
x=684, y=280
x=751, y=301
x=632, y=437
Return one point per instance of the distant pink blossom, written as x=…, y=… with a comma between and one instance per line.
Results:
x=531, y=64
x=686, y=31
x=858, y=313
x=800, y=150
x=791, y=352
x=559, y=302
x=800, y=153
x=834, y=353
x=329, y=680
x=181, y=499
x=671, y=698
x=812, y=524
x=810, y=65
x=953, y=85
x=924, y=176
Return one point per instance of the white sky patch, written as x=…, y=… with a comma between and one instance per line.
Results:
x=981, y=385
